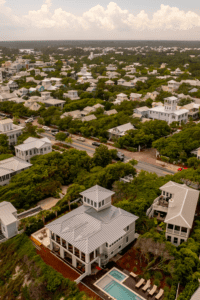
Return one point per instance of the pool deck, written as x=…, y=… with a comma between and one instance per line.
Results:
x=130, y=283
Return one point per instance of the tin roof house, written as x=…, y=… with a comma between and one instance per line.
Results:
x=93, y=233
x=175, y=207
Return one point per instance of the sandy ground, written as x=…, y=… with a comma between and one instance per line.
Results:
x=51, y=201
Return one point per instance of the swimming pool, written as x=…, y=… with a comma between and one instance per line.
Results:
x=120, y=292
x=117, y=275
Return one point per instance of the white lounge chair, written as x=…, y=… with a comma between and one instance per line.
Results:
x=138, y=285
x=147, y=285
x=133, y=275
x=159, y=295
x=153, y=290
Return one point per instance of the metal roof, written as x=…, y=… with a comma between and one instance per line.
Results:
x=32, y=143
x=97, y=193
x=13, y=164
x=196, y=295
x=184, y=204
x=6, y=213
x=86, y=229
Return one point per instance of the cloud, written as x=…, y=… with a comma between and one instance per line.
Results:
x=99, y=18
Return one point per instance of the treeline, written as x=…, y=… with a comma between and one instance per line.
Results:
x=52, y=170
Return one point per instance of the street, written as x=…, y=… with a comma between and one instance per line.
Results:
x=90, y=149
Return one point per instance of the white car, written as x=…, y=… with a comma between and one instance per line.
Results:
x=81, y=139
x=46, y=128
x=29, y=120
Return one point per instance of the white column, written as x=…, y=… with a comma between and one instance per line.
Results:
x=73, y=261
x=61, y=252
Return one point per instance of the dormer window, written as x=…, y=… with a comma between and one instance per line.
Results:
x=102, y=202
x=92, y=202
x=95, y=204
x=99, y=204
x=88, y=201
x=84, y=199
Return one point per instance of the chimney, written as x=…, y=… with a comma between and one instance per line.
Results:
x=171, y=202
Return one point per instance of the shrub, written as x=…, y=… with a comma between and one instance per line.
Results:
x=127, y=265
x=158, y=275
x=147, y=276
x=135, y=269
x=164, y=158
x=103, y=140
x=168, y=281
x=157, y=282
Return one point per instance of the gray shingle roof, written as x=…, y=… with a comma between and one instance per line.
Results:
x=86, y=229
x=13, y=164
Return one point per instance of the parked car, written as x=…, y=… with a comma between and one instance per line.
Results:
x=30, y=120
x=46, y=128
x=96, y=144
x=54, y=130
x=120, y=156
x=181, y=169
x=80, y=138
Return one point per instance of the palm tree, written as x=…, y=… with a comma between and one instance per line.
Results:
x=56, y=209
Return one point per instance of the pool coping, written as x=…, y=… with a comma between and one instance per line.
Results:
x=120, y=282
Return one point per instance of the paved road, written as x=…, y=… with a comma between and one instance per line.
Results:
x=90, y=149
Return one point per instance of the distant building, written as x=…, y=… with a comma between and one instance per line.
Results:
x=32, y=147
x=169, y=112
x=120, y=131
x=72, y=94
x=10, y=167
x=11, y=130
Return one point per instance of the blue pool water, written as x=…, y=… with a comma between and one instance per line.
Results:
x=117, y=275
x=119, y=292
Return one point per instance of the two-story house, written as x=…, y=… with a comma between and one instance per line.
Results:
x=32, y=147
x=169, y=112
x=176, y=208
x=93, y=233
x=11, y=130
x=120, y=131
x=8, y=220
x=10, y=167
x=72, y=94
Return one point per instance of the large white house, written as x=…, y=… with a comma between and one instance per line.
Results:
x=176, y=208
x=8, y=220
x=93, y=233
x=32, y=147
x=11, y=130
x=169, y=111
x=10, y=167
x=72, y=94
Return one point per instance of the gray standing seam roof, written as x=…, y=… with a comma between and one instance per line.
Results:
x=97, y=193
x=86, y=229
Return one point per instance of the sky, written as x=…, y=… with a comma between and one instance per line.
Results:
x=99, y=20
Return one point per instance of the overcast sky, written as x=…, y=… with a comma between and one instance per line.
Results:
x=90, y=20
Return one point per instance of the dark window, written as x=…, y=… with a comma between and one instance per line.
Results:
x=92, y=202
x=182, y=241
x=175, y=240
x=102, y=202
x=170, y=226
x=99, y=204
x=169, y=238
x=177, y=228
x=127, y=228
x=95, y=204
x=106, y=244
x=183, y=229
x=127, y=239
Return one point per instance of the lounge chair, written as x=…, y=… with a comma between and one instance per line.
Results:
x=133, y=275
x=147, y=285
x=159, y=295
x=138, y=285
x=152, y=291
